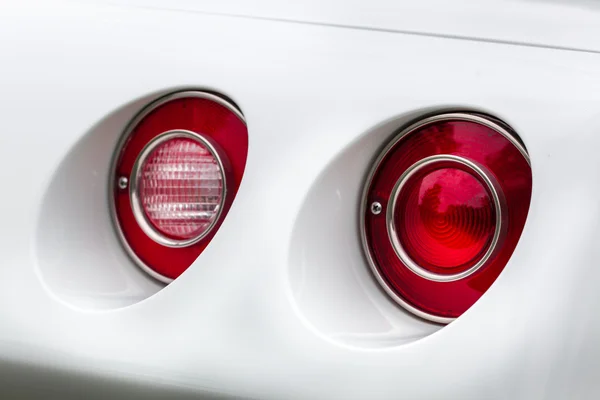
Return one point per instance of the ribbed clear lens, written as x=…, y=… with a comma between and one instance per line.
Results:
x=181, y=187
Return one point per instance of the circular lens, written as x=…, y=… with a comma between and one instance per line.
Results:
x=446, y=220
x=181, y=188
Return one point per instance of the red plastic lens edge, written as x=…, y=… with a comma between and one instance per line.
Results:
x=446, y=220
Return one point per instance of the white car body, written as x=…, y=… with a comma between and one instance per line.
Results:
x=282, y=304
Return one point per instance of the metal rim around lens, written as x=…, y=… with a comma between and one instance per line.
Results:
x=364, y=205
x=113, y=178
x=392, y=229
x=134, y=188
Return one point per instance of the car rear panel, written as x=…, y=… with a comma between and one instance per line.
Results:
x=282, y=303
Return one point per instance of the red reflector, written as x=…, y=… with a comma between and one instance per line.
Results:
x=179, y=167
x=455, y=189
x=444, y=218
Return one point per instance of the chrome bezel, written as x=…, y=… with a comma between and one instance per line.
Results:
x=449, y=116
x=134, y=188
x=113, y=178
x=391, y=224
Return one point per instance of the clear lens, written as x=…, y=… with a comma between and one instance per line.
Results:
x=181, y=188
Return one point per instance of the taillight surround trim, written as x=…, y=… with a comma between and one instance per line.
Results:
x=492, y=188
x=117, y=182
x=365, y=206
x=135, y=179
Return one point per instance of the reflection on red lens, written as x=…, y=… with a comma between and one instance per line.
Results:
x=445, y=219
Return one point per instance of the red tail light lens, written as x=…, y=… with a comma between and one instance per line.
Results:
x=444, y=217
x=443, y=210
x=178, y=169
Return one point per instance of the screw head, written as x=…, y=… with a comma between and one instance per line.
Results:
x=376, y=208
x=123, y=182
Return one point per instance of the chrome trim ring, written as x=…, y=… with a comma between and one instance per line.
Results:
x=113, y=179
x=134, y=190
x=364, y=205
x=392, y=229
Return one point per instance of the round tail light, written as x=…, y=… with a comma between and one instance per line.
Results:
x=177, y=170
x=443, y=210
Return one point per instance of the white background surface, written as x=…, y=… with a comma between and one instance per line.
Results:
x=319, y=101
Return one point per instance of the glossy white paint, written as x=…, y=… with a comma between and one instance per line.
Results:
x=573, y=24
x=280, y=305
